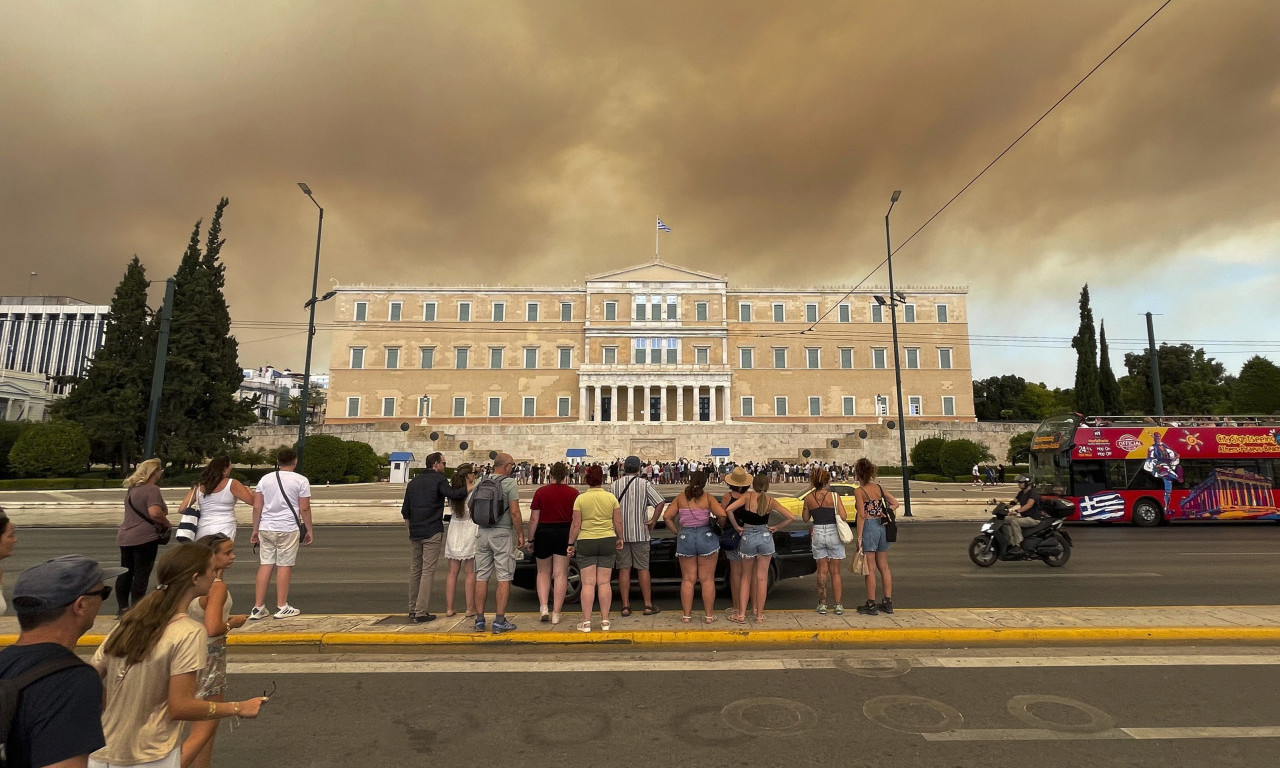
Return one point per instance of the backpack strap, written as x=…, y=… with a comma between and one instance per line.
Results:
x=41, y=671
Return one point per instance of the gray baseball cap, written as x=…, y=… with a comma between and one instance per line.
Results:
x=632, y=464
x=58, y=582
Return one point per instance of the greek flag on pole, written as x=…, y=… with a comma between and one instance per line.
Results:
x=663, y=227
x=1101, y=506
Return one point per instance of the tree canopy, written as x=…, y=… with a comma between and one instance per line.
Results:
x=1085, y=343
x=1191, y=382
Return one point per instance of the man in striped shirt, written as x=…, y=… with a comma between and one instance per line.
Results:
x=635, y=495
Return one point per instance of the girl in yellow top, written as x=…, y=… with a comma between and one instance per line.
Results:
x=595, y=536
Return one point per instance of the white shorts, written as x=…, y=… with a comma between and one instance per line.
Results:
x=171, y=760
x=278, y=547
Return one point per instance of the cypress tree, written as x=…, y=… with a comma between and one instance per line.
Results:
x=1108, y=386
x=1087, y=394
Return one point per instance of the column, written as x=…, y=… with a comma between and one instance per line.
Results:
x=662, y=400
x=599, y=394
x=582, y=403
x=644, y=405
x=712, y=390
x=728, y=404
x=680, y=403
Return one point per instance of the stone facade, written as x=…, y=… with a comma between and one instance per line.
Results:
x=650, y=343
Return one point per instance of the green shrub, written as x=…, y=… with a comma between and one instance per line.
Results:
x=1020, y=447
x=959, y=456
x=53, y=449
x=927, y=477
x=362, y=462
x=57, y=483
x=926, y=456
x=10, y=431
x=350, y=478
x=324, y=459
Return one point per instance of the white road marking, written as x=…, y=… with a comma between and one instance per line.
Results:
x=1234, y=554
x=988, y=662
x=1063, y=576
x=1142, y=734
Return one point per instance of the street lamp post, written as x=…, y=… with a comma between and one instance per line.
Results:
x=311, y=328
x=897, y=364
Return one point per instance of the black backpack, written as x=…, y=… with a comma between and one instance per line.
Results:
x=487, y=504
x=11, y=690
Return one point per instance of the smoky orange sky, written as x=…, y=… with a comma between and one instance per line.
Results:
x=463, y=142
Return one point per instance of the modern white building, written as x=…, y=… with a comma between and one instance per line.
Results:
x=50, y=335
x=273, y=389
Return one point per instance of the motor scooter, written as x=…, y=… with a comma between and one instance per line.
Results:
x=1047, y=541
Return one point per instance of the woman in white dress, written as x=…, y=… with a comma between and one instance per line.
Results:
x=460, y=544
x=216, y=495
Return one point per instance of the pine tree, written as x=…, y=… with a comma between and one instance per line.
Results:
x=110, y=402
x=1108, y=386
x=1088, y=396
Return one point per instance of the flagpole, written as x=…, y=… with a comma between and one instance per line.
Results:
x=656, y=234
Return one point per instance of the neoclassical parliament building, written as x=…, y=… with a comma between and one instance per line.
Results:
x=652, y=343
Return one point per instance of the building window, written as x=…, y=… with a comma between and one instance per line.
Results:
x=700, y=311
x=639, y=356
x=388, y=406
x=673, y=308
x=944, y=358
x=428, y=312
x=877, y=313
x=611, y=310
x=461, y=358
x=566, y=312
x=848, y=406
x=495, y=406
x=844, y=313
x=846, y=358
x=748, y=406
x=942, y=312
x=744, y=312
x=531, y=311
x=357, y=358
x=913, y=357
x=702, y=355
x=815, y=406
x=499, y=311
x=915, y=405
x=428, y=356
x=531, y=357
x=393, y=311
x=362, y=311
x=673, y=351
x=655, y=307
x=464, y=311
x=655, y=351
x=779, y=313
x=811, y=313
x=562, y=407
x=529, y=407
x=877, y=357
x=948, y=405
x=566, y=358
x=746, y=357
x=495, y=357
x=459, y=407
x=642, y=307
x=393, y=357
x=610, y=356
x=424, y=407
x=353, y=407
x=909, y=313
x=779, y=406
x=811, y=357
x=779, y=357
x=882, y=405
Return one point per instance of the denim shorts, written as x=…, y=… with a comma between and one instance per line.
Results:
x=874, y=538
x=826, y=543
x=756, y=540
x=696, y=542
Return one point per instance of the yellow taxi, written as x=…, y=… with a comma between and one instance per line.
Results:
x=795, y=504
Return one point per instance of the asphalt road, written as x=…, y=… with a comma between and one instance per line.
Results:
x=363, y=569
x=731, y=710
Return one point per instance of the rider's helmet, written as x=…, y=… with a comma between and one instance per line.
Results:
x=1024, y=480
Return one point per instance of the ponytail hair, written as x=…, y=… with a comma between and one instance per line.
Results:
x=459, y=480
x=819, y=478
x=140, y=629
x=697, y=485
x=760, y=484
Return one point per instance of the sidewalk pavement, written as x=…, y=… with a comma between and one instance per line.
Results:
x=906, y=627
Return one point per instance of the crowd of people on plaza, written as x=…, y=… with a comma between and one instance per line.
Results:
x=676, y=472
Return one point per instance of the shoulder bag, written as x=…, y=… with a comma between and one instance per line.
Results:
x=163, y=533
x=890, y=520
x=842, y=526
x=190, y=518
x=302, y=529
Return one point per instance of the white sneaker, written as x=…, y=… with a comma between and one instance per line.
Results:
x=287, y=612
x=259, y=612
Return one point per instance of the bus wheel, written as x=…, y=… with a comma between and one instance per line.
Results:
x=1147, y=514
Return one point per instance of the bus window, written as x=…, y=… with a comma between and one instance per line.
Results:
x=1139, y=478
x=1088, y=477
x=1116, y=475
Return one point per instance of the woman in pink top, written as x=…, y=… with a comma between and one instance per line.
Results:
x=697, y=543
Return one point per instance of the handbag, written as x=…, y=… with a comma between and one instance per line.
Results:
x=845, y=531
x=302, y=529
x=890, y=525
x=163, y=533
x=190, y=519
x=730, y=538
x=858, y=565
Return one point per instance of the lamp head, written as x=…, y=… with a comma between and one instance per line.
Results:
x=880, y=300
x=307, y=190
x=896, y=194
x=901, y=296
x=328, y=295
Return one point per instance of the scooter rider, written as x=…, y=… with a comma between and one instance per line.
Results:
x=1025, y=514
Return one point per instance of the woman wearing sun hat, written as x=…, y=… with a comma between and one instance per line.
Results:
x=739, y=481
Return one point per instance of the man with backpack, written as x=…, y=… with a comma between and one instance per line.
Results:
x=495, y=507
x=50, y=700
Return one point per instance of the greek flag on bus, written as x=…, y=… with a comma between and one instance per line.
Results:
x=663, y=227
x=1101, y=506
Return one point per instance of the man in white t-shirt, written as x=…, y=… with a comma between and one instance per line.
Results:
x=281, y=500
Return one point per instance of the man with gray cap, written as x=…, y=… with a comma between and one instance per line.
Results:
x=59, y=717
x=635, y=495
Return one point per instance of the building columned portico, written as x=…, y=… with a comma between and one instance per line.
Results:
x=627, y=393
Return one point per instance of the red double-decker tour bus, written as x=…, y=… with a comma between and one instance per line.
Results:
x=1151, y=469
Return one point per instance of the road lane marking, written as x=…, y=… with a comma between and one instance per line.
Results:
x=1063, y=576
x=1234, y=554
x=1140, y=734
x=989, y=662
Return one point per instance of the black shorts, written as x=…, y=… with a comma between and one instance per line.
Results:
x=551, y=539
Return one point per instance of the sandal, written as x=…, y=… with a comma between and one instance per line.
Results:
x=737, y=619
x=708, y=619
x=626, y=611
x=686, y=619
x=583, y=626
x=649, y=610
x=605, y=626
x=760, y=618
x=555, y=618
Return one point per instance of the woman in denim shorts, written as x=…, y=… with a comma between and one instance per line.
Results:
x=821, y=506
x=697, y=544
x=756, y=549
x=875, y=504
x=739, y=482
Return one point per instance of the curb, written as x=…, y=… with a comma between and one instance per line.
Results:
x=950, y=636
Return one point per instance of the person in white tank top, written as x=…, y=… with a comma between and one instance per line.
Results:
x=216, y=494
